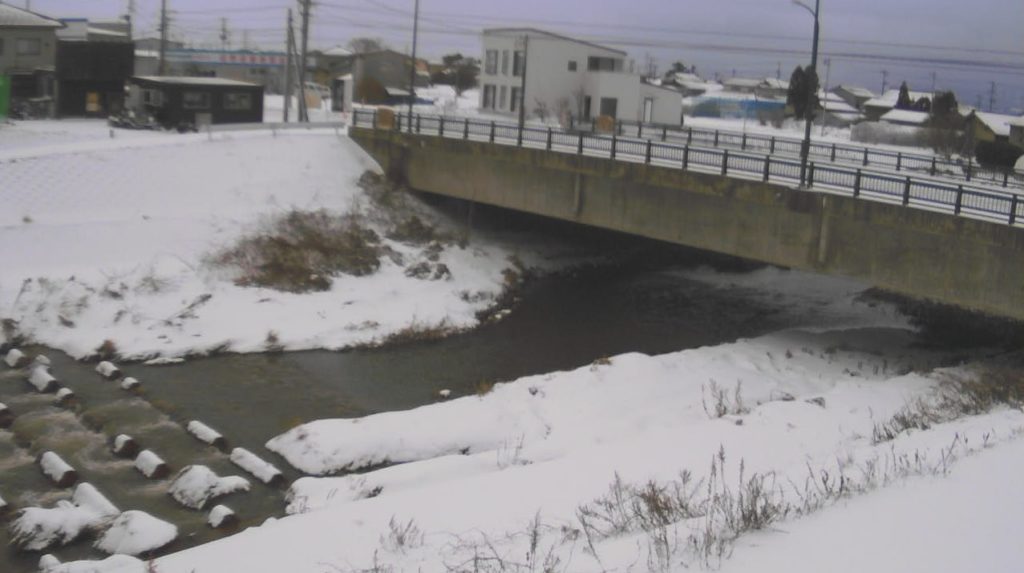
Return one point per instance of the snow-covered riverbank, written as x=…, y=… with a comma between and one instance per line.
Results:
x=103, y=243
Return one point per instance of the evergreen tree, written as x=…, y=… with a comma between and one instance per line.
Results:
x=903, y=101
x=803, y=82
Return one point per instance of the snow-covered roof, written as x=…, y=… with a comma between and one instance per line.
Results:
x=191, y=81
x=543, y=33
x=776, y=83
x=337, y=51
x=905, y=116
x=742, y=83
x=397, y=92
x=890, y=97
x=11, y=17
x=997, y=122
x=856, y=91
x=686, y=77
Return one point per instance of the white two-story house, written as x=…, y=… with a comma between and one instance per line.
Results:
x=564, y=77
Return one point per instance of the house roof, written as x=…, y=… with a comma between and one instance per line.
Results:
x=905, y=116
x=742, y=83
x=11, y=17
x=337, y=51
x=776, y=83
x=543, y=33
x=997, y=122
x=890, y=97
x=857, y=91
x=191, y=81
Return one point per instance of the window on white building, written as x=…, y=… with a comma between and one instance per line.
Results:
x=515, y=99
x=488, y=97
x=154, y=98
x=572, y=65
x=28, y=46
x=1, y=46
x=518, y=63
x=502, y=97
x=596, y=64
x=504, y=62
x=491, y=65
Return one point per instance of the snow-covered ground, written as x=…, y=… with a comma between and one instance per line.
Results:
x=505, y=481
x=105, y=239
x=806, y=428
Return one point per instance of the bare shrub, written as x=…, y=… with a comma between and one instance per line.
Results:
x=413, y=230
x=107, y=350
x=301, y=250
x=401, y=537
x=722, y=402
x=416, y=332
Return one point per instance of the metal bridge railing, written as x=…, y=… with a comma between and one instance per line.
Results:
x=865, y=156
x=957, y=198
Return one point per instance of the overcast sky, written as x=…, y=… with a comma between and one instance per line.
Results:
x=966, y=44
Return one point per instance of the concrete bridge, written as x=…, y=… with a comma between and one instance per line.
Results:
x=943, y=241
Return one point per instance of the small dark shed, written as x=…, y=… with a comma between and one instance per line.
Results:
x=175, y=100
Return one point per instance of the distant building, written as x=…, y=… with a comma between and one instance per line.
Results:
x=28, y=55
x=176, y=101
x=836, y=111
x=854, y=96
x=875, y=108
x=380, y=77
x=91, y=75
x=84, y=30
x=995, y=127
x=689, y=85
x=763, y=87
x=265, y=68
x=567, y=77
x=905, y=117
x=1017, y=132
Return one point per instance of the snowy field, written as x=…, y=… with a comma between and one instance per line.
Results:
x=107, y=239
x=841, y=444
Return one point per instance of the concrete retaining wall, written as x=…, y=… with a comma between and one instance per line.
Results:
x=966, y=262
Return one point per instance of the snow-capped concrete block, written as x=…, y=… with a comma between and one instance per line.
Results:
x=64, y=396
x=49, y=564
x=206, y=434
x=262, y=470
x=59, y=471
x=196, y=486
x=124, y=446
x=5, y=508
x=15, y=358
x=129, y=383
x=41, y=379
x=135, y=533
x=6, y=416
x=41, y=359
x=89, y=497
x=107, y=370
x=222, y=516
x=151, y=465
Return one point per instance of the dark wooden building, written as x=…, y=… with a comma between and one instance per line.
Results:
x=91, y=77
x=175, y=101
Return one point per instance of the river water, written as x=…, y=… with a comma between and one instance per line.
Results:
x=560, y=322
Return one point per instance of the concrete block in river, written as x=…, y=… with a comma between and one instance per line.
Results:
x=151, y=465
x=124, y=446
x=41, y=379
x=206, y=434
x=108, y=370
x=6, y=416
x=59, y=471
x=250, y=462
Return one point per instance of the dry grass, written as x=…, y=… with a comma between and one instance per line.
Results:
x=107, y=350
x=301, y=250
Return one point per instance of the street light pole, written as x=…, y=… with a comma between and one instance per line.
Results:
x=805, y=148
x=412, y=72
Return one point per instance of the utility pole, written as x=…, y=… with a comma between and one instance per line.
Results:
x=225, y=37
x=885, y=80
x=992, y=97
x=130, y=18
x=245, y=39
x=162, y=69
x=303, y=112
x=412, y=69
x=934, y=76
x=288, y=68
x=824, y=105
x=778, y=71
x=805, y=148
x=522, y=84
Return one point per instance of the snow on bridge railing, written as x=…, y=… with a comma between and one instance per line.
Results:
x=834, y=152
x=958, y=198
